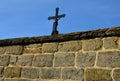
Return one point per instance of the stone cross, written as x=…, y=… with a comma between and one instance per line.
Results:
x=55, y=24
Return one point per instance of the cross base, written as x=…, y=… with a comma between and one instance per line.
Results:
x=55, y=32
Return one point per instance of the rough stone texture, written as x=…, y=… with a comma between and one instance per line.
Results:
x=33, y=48
x=2, y=50
x=119, y=43
x=11, y=72
x=107, y=32
x=72, y=80
x=80, y=56
x=15, y=50
x=1, y=71
x=98, y=75
x=109, y=59
x=1, y=79
x=116, y=75
x=110, y=42
x=92, y=44
x=51, y=73
x=43, y=60
x=73, y=73
x=64, y=59
x=70, y=46
x=36, y=80
x=50, y=80
x=25, y=60
x=4, y=60
x=85, y=59
x=31, y=73
x=50, y=47
x=16, y=80
x=13, y=60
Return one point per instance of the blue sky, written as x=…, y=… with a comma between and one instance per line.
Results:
x=27, y=18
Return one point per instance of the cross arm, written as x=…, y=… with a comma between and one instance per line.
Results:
x=53, y=17
x=60, y=16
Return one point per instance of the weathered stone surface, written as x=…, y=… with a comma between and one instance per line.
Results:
x=2, y=50
x=50, y=47
x=110, y=42
x=63, y=37
x=93, y=74
x=33, y=48
x=17, y=79
x=92, y=44
x=71, y=80
x=43, y=60
x=113, y=31
x=85, y=59
x=50, y=80
x=70, y=46
x=116, y=75
x=64, y=59
x=73, y=73
x=1, y=79
x=13, y=60
x=36, y=80
x=119, y=43
x=109, y=59
x=11, y=72
x=25, y=60
x=31, y=73
x=15, y=50
x=1, y=71
x=4, y=60
x=51, y=73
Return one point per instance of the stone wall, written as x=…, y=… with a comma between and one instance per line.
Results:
x=62, y=57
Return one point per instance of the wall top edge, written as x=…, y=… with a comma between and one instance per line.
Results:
x=99, y=33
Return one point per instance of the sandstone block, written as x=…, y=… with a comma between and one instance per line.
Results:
x=13, y=60
x=33, y=49
x=50, y=47
x=36, y=80
x=71, y=80
x=11, y=72
x=15, y=50
x=2, y=50
x=43, y=60
x=116, y=75
x=1, y=72
x=85, y=59
x=51, y=73
x=17, y=79
x=50, y=80
x=110, y=42
x=25, y=60
x=4, y=60
x=31, y=73
x=109, y=59
x=98, y=75
x=73, y=74
x=92, y=44
x=70, y=46
x=64, y=59
x=1, y=79
x=119, y=43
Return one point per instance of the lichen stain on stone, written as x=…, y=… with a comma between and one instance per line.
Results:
x=115, y=31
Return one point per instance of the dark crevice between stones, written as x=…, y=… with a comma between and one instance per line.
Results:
x=100, y=33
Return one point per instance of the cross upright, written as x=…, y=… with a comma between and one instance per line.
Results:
x=55, y=24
